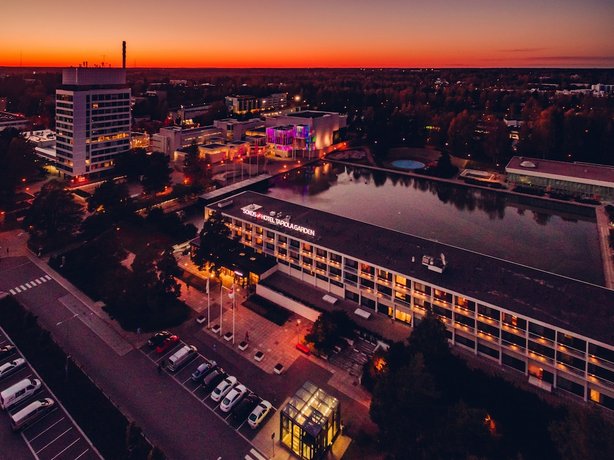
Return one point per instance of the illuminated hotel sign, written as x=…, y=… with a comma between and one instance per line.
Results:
x=272, y=218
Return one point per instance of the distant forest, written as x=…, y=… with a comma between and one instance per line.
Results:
x=461, y=111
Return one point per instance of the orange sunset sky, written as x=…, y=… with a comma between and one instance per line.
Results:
x=310, y=33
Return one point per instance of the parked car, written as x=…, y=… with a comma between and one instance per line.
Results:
x=259, y=413
x=167, y=343
x=203, y=370
x=158, y=338
x=7, y=351
x=233, y=397
x=212, y=379
x=11, y=366
x=223, y=387
x=244, y=407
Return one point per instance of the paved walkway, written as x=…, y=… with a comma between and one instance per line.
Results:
x=607, y=254
x=278, y=343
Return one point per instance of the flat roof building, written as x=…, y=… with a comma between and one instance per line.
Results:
x=93, y=120
x=557, y=331
x=583, y=180
x=13, y=120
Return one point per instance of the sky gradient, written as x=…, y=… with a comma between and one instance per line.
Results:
x=310, y=33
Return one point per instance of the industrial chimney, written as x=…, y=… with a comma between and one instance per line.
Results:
x=124, y=54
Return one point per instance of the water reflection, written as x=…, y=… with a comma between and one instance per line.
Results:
x=562, y=240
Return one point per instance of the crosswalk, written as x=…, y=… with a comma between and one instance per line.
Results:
x=30, y=284
x=256, y=455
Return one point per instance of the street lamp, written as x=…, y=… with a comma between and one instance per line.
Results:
x=298, y=330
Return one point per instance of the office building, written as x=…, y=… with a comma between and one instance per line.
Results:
x=244, y=104
x=235, y=130
x=555, y=331
x=92, y=120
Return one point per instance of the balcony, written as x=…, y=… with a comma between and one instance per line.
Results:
x=513, y=330
x=569, y=369
x=601, y=362
x=464, y=311
x=367, y=276
x=571, y=351
x=513, y=347
x=488, y=320
x=541, y=358
x=541, y=340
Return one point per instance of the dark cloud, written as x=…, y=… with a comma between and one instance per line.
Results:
x=521, y=50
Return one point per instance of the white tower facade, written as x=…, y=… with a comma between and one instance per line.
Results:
x=92, y=120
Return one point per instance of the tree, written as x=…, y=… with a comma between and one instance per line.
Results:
x=497, y=144
x=112, y=199
x=214, y=242
x=18, y=162
x=583, y=434
x=328, y=329
x=157, y=173
x=54, y=216
x=405, y=407
x=197, y=170
x=132, y=164
x=460, y=132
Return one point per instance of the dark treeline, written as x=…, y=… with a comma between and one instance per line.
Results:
x=459, y=110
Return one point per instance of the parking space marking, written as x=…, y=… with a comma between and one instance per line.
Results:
x=81, y=454
x=54, y=440
x=49, y=421
x=47, y=429
x=221, y=415
x=66, y=448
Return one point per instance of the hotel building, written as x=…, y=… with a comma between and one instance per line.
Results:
x=92, y=118
x=556, y=331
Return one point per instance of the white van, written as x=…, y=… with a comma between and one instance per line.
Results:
x=11, y=366
x=31, y=413
x=21, y=391
x=181, y=357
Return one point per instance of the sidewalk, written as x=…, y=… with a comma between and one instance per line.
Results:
x=278, y=343
x=607, y=255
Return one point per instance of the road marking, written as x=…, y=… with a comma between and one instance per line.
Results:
x=257, y=454
x=39, y=282
x=23, y=288
x=54, y=440
x=66, y=448
x=46, y=429
x=12, y=292
x=47, y=277
x=81, y=454
x=41, y=279
x=28, y=285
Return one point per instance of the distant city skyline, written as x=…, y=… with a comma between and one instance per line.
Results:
x=316, y=33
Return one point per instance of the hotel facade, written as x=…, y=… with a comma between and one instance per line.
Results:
x=93, y=120
x=557, y=332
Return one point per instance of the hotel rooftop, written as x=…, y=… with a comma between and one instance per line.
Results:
x=560, y=301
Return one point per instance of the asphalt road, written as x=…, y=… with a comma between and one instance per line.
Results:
x=178, y=418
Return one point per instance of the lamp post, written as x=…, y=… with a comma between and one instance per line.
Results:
x=298, y=330
x=59, y=323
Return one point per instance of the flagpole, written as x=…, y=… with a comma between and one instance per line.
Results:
x=208, y=305
x=221, y=302
x=234, y=303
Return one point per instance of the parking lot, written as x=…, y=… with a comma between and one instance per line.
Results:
x=183, y=378
x=54, y=436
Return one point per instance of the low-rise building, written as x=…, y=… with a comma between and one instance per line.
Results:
x=13, y=120
x=172, y=138
x=140, y=140
x=582, y=180
x=44, y=143
x=555, y=331
x=315, y=131
x=234, y=130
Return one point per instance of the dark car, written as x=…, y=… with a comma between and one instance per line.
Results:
x=167, y=343
x=158, y=338
x=245, y=406
x=215, y=377
x=7, y=351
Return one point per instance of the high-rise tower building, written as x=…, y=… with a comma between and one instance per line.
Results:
x=92, y=119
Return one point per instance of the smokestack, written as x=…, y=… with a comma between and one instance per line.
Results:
x=124, y=54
